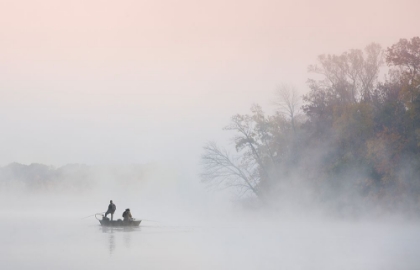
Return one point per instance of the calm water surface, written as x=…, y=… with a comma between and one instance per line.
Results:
x=69, y=243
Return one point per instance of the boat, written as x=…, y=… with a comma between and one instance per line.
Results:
x=117, y=223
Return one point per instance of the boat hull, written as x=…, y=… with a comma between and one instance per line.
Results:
x=119, y=223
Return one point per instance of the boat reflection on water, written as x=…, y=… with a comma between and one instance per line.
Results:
x=112, y=236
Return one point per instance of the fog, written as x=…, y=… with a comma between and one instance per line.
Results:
x=184, y=226
x=70, y=244
x=103, y=100
x=99, y=82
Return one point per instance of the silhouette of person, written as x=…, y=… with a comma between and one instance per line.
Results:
x=127, y=215
x=111, y=209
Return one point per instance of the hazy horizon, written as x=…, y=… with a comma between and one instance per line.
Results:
x=135, y=89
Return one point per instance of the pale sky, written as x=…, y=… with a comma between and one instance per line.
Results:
x=105, y=82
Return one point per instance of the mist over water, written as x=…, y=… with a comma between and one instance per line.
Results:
x=69, y=244
x=187, y=227
x=117, y=100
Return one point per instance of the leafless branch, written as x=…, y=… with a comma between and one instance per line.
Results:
x=223, y=170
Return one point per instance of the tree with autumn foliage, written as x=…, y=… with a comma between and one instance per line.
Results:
x=357, y=134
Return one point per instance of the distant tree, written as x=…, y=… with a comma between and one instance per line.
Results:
x=353, y=127
x=359, y=133
x=288, y=103
x=252, y=136
x=340, y=111
x=384, y=153
x=225, y=171
x=405, y=55
x=261, y=143
x=352, y=75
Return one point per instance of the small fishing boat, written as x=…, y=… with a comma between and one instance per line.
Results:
x=116, y=223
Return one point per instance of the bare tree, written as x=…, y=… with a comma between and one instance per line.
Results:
x=288, y=103
x=225, y=171
x=257, y=153
x=352, y=75
x=374, y=60
x=252, y=137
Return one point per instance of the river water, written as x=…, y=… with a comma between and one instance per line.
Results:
x=74, y=243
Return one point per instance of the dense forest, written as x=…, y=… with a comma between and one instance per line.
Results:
x=353, y=139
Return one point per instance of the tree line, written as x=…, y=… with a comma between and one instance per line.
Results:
x=357, y=131
x=76, y=178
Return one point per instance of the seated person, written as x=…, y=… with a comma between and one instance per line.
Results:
x=127, y=215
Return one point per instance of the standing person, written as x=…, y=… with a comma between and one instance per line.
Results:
x=127, y=215
x=111, y=209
